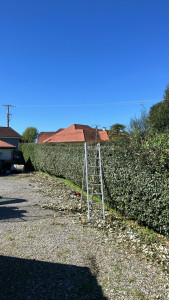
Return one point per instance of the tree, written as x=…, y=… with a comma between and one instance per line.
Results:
x=139, y=125
x=116, y=130
x=30, y=135
x=159, y=114
x=166, y=93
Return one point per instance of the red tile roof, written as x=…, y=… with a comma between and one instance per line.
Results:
x=43, y=136
x=6, y=145
x=9, y=132
x=103, y=134
x=78, y=133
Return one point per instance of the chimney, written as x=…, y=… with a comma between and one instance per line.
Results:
x=104, y=128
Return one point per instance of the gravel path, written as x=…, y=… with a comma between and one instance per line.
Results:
x=50, y=254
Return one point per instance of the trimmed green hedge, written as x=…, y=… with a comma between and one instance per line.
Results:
x=136, y=186
x=59, y=160
x=136, y=176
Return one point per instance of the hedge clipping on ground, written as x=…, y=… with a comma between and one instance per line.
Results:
x=135, y=176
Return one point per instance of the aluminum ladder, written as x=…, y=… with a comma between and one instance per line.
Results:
x=92, y=179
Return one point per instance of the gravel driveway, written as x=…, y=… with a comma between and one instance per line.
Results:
x=50, y=254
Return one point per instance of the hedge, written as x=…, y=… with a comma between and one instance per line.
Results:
x=136, y=179
x=58, y=160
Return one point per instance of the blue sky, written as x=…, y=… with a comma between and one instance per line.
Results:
x=89, y=62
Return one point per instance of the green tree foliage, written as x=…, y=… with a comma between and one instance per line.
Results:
x=117, y=130
x=166, y=93
x=30, y=135
x=159, y=114
x=139, y=125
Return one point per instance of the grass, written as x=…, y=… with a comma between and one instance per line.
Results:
x=11, y=238
x=63, y=253
x=131, y=280
x=30, y=236
x=140, y=295
x=117, y=269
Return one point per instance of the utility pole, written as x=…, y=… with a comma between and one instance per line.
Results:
x=96, y=133
x=8, y=114
x=96, y=128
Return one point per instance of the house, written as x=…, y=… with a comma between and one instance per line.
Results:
x=77, y=133
x=6, y=151
x=10, y=136
x=45, y=135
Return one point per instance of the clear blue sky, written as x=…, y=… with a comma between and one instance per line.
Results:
x=81, y=61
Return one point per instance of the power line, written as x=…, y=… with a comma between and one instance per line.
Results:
x=91, y=104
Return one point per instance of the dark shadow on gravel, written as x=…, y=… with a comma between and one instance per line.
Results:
x=5, y=201
x=23, y=279
x=11, y=212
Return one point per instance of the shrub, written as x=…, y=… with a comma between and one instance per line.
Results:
x=61, y=160
x=136, y=186
x=135, y=175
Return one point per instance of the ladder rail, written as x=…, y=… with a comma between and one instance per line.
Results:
x=93, y=178
x=101, y=180
x=87, y=183
x=81, y=199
